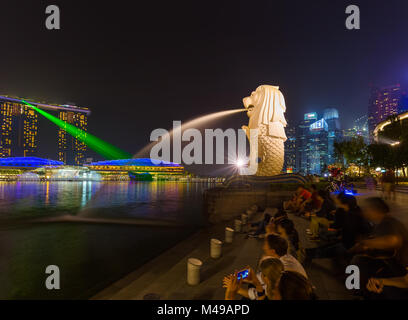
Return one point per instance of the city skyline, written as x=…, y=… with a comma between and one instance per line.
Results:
x=20, y=127
x=189, y=60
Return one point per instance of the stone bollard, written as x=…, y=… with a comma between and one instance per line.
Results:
x=215, y=248
x=193, y=271
x=244, y=218
x=238, y=225
x=229, y=235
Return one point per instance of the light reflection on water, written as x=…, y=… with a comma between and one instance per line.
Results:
x=152, y=200
x=89, y=255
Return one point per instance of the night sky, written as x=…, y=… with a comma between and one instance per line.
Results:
x=140, y=66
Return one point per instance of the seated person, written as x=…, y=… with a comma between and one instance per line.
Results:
x=294, y=286
x=295, y=204
x=322, y=215
x=389, y=288
x=286, y=229
x=264, y=284
x=271, y=227
x=312, y=203
x=385, y=253
x=259, y=227
x=277, y=247
x=351, y=227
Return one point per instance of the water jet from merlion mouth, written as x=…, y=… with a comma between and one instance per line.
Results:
x=190, y=124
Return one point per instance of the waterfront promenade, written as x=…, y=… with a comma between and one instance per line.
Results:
x=165, y=276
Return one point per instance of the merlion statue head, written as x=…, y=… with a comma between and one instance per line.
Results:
x=266, y=105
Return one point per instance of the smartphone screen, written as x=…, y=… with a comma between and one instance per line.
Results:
x=243, y=274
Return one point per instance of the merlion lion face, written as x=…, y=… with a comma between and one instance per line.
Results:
x=265, y=105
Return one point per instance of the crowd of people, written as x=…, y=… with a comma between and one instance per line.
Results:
x=365, y=235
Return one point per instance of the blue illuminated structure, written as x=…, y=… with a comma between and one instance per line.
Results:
x=139, y=162
x=141, y=169
x=29, y=162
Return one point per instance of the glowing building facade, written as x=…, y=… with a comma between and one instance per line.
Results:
x=334, y=132
x=156, y=169
x=70, y=149
x=302, y=142
x=19, y=130
x=315, y=139
x=290, y=150
x=20, y=127
x=384, y=103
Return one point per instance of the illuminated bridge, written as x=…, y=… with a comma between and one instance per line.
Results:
x=138, y=167
x=382, y=125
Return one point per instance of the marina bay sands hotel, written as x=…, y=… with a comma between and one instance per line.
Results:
x=19, y=129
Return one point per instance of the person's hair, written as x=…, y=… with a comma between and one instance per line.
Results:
x=277, y=243
x=348, y=200
x=378, y=205
x=280, y=214
x=293, y=286
x=267, y=217
x=323, y=194
x=272, y=269
x=291, y=231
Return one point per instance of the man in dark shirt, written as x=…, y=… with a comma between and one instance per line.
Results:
x=385, y=252
x=350, y=225
x=322, y=216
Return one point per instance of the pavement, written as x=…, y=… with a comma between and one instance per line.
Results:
x=165, y=276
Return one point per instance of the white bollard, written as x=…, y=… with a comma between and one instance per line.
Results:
x=244, y=218
x=215, y=248
x=229, y=235
x=238, y=225
x=193, y=271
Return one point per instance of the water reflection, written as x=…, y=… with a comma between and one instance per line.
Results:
x=153, y=200
x=90, y=255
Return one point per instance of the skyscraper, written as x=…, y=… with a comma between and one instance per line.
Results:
x=302, y=138
x=317, y=147
x=384, y=102
x=19, y=129
x=290, y=150
x=19, y=125
x=334, y=133
x=315, y=140
x=70, y=149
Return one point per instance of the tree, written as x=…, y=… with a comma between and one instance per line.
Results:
x=352, y=151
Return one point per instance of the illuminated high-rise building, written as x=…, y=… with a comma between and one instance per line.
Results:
x=384, y=103
x=334, y=133
x=70, y=149
x=20, y=127
x=317, y=147
x=302, y=140
x=289, y=165
x=19, y=130
x=315, y=141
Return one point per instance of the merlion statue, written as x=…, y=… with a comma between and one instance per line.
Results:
x=266, y=108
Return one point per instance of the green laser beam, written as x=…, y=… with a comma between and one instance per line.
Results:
x=104, y=148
